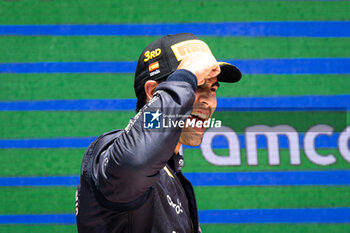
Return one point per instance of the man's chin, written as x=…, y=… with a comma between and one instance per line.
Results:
x=191, y=138
x=191, y=143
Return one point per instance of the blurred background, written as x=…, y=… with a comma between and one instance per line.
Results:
x=66, y=76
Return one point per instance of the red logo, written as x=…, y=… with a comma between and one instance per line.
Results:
x=153, y=66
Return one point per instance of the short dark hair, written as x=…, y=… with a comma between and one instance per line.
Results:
x=142, y=98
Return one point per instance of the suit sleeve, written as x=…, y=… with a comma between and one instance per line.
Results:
x=131, y=165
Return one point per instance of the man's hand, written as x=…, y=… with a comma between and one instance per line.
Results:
x=203, y=65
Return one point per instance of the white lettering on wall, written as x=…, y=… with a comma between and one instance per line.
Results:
x=234, y=157
x=343, y=143
x=309, y=145
x=271, y=133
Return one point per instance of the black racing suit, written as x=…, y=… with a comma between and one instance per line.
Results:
x=131, y=181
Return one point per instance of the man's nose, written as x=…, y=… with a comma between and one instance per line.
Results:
x=206, y=99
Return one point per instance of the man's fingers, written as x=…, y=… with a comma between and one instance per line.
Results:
x=202, y=64
x=201, y=82
x=215, y=71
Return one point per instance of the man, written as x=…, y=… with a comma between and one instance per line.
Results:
x=131, y=179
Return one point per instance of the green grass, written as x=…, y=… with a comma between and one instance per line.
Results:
x=137, y=11
x=114, y=48
x=62, y=162
x=111, y=86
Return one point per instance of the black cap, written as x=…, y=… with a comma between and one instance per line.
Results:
x=163, y=56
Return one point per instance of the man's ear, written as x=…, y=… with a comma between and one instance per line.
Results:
x=150, y=86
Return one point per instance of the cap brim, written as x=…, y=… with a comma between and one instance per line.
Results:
x=229, y=73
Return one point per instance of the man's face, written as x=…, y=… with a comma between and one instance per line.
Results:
x=203, y=108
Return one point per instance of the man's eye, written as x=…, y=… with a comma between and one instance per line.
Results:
x=213, y=89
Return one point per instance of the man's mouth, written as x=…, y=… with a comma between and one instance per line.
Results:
x=199, y=116
x=203, y=116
